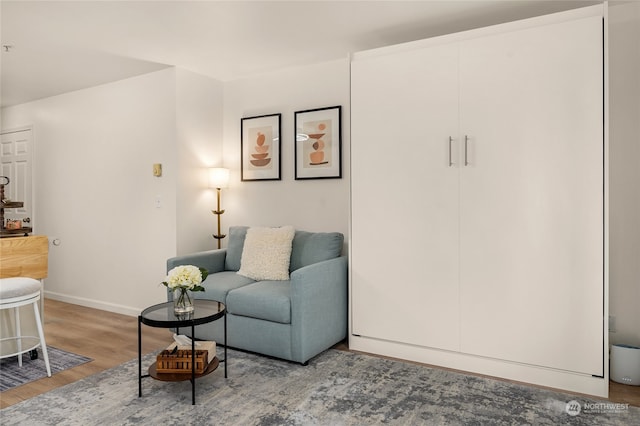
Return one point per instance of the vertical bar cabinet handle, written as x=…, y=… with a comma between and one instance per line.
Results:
x=450, y=157
x=466, y=150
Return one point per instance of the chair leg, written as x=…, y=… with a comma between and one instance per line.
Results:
x=43, y=344
x=18, y=335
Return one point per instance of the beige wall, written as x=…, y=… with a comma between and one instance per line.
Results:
x=624, y=141
x=199, y=146
x=94, y=189
x=313, y=205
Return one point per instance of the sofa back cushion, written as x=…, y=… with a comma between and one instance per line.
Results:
x=237, y=234
x=314, y=247
x=307, y=247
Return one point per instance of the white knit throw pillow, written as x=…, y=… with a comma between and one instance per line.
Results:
x=267, y=253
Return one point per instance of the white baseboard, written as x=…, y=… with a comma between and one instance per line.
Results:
x=524, y=373
x=96, y=304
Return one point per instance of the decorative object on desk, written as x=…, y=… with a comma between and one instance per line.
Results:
x=218, y=179
x=13, y=227
x=182, y=280
x=14, y=224
x=318, y=146
x=260, y=148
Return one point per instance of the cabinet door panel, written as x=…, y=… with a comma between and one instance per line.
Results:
x=532, y=251
x=404, y=198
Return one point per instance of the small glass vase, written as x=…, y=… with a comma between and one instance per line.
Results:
x=182, y=301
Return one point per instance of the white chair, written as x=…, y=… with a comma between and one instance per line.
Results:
x=16, y=292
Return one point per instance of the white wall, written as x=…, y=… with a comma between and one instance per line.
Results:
x=624, y=141
x=199, y=144
x=95, y=191
x=313, y=205
x=94, y=188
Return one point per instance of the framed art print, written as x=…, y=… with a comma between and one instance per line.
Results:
x=318, y=147
x=260, y=148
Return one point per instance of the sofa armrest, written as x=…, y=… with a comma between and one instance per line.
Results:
x=319, y=303
x=211, y=260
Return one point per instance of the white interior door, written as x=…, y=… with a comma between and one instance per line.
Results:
x=15, y=163
x=532, y=253
x=404, y=197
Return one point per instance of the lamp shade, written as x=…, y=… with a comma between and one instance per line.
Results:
x=218, y=177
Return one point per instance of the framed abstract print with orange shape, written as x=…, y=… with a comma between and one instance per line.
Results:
x=260, y=148
x=318, y=147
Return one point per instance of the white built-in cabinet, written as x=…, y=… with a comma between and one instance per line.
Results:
x=478, y=197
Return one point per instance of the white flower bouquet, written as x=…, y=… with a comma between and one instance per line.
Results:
x=182, y=279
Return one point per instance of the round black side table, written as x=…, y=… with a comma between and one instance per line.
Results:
x=163, y=316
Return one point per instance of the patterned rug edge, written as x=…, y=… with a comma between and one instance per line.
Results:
x=13, y=376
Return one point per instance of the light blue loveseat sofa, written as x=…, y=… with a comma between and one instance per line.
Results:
x=295, y=319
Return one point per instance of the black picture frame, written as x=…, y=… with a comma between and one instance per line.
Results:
x=318, y=143
x=260, y=148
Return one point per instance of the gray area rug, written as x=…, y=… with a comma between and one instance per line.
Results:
x=336, y=388
x=12, y=375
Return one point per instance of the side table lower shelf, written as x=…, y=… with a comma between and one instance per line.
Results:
x=163, y=315
x=179, y=377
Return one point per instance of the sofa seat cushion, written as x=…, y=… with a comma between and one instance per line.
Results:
x=218, y=285
x=266, y=300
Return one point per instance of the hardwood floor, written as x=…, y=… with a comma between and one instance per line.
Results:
x=624, y=394
x=111, y=339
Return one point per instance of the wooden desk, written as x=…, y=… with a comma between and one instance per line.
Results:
x=24, y=257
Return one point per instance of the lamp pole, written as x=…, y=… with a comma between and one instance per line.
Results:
x=218, y=212
x=218, y=179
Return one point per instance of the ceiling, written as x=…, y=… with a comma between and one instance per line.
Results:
x=57, y=47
